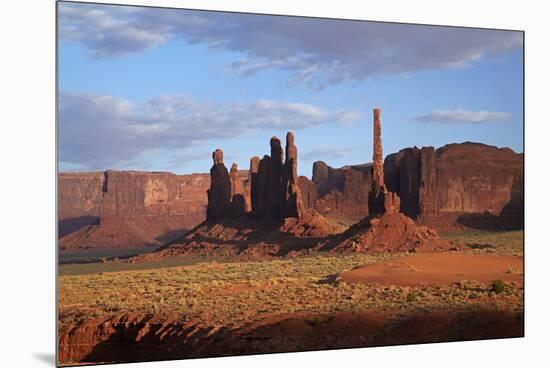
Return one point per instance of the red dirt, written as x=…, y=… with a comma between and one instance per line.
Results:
x=247, y=238
x=391, y=232
x=311, y=225
x=438, y=268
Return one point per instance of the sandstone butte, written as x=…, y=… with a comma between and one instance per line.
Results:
x=466, y=184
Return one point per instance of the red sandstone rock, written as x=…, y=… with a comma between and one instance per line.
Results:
x=465, y=186
x=274, y=187
x=292, y=197
x=309, y=192
x=219, y=194
x=392, y=203
x=427, y=200
x=274, y=193
x=381, y=200
x=136, y=208
x=309, y=225
x=327, y=178
x=217, y=156
x=260, y=207
x=236, y=185
x=470, y=183
x=238, y=201
x=467, y=182
x=391, y=232
x=377, y=156
x=346, y=192
x=403, y=176
x=80, y=196
x=250, y=183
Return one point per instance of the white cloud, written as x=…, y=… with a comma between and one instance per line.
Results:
x=326, y=152
x=317, y=52
x=463, y=116
x=99, y=132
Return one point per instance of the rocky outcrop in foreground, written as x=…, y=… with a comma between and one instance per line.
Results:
x=143, y=337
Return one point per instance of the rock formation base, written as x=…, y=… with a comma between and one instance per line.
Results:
x=311, y=224
x=391, y=232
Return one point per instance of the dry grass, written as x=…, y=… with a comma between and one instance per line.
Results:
x=478, y=241
x=233, y=293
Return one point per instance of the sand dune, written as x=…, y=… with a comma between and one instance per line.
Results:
x=438, y=268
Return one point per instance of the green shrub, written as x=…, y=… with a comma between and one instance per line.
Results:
x=316, y=322
x=498, y=286
x=411, y=297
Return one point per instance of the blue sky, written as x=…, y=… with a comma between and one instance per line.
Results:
x=160, y=89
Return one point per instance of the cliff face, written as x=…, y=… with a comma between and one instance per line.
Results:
x=471, y=184
x=127, y=208
x=80, y=197
x=341, y=193
x=466, y=183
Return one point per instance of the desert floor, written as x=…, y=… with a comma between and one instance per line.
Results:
x=193, y=307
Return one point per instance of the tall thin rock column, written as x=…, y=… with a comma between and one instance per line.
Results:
x=381, y=200
x=292, y=199
x=275, y=181
x=237, y=192
x=236, y=185
x=250, y=187
x=219, y=194
x=377, y=155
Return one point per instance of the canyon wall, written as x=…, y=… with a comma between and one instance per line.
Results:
x=128, y=208
x=471, y=184
x=80, y=196
x=338, y=193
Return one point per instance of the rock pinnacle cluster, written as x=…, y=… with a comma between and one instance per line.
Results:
x=270, y=191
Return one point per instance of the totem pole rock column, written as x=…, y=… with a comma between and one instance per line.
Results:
x=292, y=199
x=377, y=155
x=219, y=194
x=250, y=187
x=275, y=182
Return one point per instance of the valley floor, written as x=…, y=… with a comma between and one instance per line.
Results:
x=193, y=307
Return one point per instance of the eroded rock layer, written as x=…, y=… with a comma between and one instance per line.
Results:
x=391, y=232
x=272, y=187
x=339, y=193
x=219, y=194
x=115, y=209
x=471, y=184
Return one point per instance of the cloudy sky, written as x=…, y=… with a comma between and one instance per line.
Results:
x=160, y=89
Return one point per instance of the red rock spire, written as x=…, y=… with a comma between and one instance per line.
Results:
x=377, y=156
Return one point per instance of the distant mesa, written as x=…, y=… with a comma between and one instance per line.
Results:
x=127, y=209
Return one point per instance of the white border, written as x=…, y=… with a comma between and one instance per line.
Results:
x=27, y=185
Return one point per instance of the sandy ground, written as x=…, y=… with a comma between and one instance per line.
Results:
x=438, y=268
